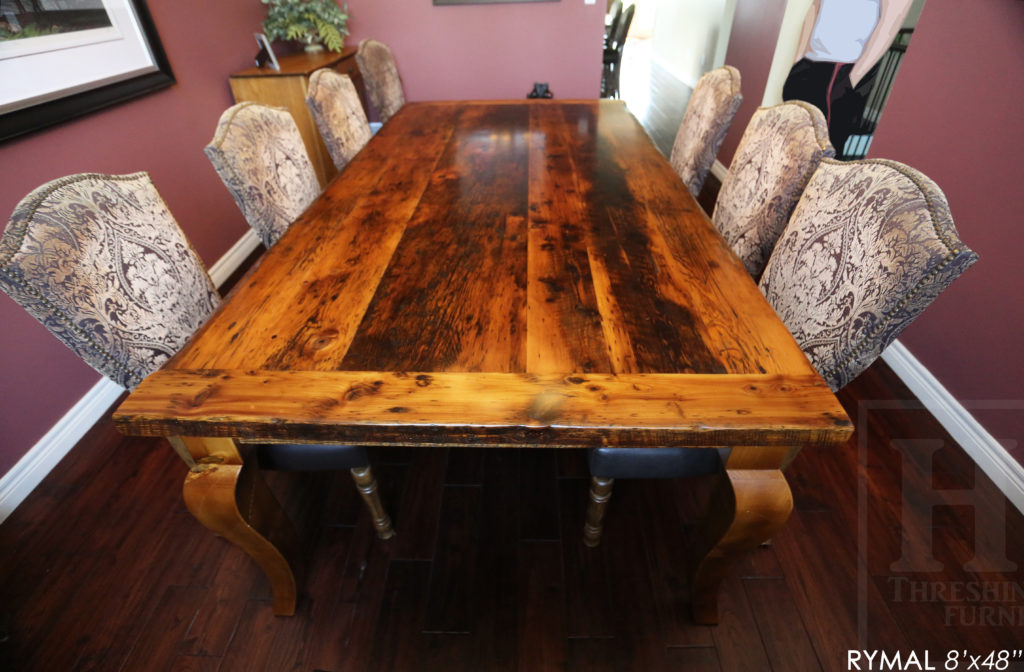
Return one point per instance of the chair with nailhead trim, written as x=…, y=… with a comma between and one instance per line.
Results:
x=380, y=75
x=709, y=114
x=100, y=261
x=259, y=155
x=333, y=101
x=869, y=246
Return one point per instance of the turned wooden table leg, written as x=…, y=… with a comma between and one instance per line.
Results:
x=751, y=501
x=233, y=500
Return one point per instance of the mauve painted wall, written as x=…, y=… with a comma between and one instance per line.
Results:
x=481, y=51
x=955, y=114
x=492, y=51
x=755, y=32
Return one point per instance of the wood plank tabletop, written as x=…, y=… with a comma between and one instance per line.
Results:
x=539, y=263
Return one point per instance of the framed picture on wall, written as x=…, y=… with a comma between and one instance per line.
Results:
x=61, y=59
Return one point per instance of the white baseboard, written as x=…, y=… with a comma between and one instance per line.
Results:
x=719, y=170
x=233, y=258
x=984, y=449
x=31, y=469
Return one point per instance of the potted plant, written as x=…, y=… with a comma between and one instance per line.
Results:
x=312, y=22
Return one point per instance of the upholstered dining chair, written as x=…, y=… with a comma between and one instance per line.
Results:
x=380, y=75
x=100, y=261
x=869, y=246
x=709, y=114
x=333, y=101
x=259, y=155
x=780, y=149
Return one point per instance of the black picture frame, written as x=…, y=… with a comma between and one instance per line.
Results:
x=18, y=123
x=265, y=57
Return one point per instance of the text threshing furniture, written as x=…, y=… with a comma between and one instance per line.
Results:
x=528, y=274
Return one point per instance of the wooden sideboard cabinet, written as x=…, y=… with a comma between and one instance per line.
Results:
x=287, y=88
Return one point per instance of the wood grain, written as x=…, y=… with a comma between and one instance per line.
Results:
x=465, y=409
x=501, y=237
x=506, y=274
x=452, y=298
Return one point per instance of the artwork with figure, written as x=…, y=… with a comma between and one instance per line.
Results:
x=840, y=47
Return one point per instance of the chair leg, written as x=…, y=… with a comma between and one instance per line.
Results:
x=600, y=493
x=367, y=486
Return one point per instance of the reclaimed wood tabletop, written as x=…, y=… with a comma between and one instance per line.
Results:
x=502, y=274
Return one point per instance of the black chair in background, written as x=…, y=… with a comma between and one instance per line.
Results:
x=613, y=55
x=609, y=27
x=881, y=79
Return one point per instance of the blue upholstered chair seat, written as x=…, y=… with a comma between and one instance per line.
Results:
x=310, y=456
x=653, y=462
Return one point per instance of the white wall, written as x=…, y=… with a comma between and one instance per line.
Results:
x=690, y=36
x=785, y=52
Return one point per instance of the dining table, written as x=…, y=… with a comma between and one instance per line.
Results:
x=528, y=274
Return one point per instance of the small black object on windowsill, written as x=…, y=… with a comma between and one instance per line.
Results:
x=540, y=90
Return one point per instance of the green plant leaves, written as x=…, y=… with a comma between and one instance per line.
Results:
x=308, y=21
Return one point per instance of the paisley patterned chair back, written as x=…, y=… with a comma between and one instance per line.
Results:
x=101, y=263
x=380, y=75
x=869, y=246
x=776, y=156
x=259, y=154
x=334, y=103
x=709, y=114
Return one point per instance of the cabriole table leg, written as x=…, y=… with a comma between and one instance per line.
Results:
x=232, y=499
x=751, y=501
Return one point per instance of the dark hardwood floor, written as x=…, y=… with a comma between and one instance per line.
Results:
x=102, y=568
